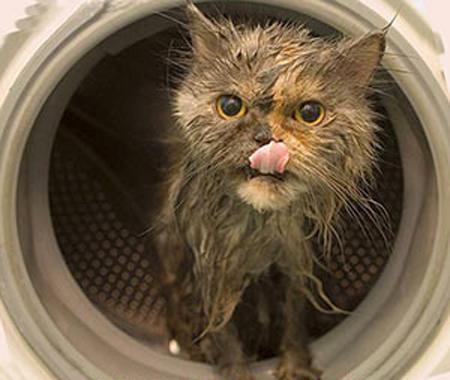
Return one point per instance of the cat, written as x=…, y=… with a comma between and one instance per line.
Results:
x=278, y=133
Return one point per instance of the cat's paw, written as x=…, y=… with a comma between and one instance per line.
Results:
x=236, y=372
x=295, y=367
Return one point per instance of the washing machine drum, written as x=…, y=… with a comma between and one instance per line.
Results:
x=83, y=160
x=106, y=171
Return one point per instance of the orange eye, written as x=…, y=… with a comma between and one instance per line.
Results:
x=230, y=107
x=310, y=113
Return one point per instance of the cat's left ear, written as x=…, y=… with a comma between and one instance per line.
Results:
x=204, y=32
x=361, y=58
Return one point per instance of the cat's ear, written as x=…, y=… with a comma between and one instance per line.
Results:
x=360, y=59
x=204, y=32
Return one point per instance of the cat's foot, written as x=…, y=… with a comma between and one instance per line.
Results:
x=296, y=366
x=236, y=372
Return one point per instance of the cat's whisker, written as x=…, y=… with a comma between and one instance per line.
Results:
x=173, y=19
x=356, y=195
x=400, y=71
x=401, y=55
x=387, y=95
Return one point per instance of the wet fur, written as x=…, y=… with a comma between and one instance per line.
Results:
x=222, y=233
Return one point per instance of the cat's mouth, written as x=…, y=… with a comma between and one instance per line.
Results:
x=251, y=173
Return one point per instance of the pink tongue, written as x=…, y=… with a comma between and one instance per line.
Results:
x=270, y=158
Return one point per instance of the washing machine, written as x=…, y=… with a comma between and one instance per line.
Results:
x=83, y=104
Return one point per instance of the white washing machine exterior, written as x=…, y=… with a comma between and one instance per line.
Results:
x=41, y=40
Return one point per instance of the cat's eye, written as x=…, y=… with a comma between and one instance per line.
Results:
x=310, y=113
x=230, y=107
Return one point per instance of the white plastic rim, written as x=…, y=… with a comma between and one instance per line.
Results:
x=409, y=350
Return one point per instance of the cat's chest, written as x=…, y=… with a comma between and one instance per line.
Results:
x=236, y=230
x=217, y=226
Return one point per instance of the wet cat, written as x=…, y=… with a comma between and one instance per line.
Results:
x=278, y=133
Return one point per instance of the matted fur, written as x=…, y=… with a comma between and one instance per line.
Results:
x=222, y=230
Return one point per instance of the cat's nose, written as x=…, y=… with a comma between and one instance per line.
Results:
x=263, y=134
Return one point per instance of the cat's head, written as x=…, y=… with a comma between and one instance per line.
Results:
x=250, y=86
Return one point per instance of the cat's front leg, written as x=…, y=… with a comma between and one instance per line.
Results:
x=295, y=365
x=224, y=349
x=295, y=361
x=221, y=348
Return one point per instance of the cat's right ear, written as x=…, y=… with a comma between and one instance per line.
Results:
x=204, y=32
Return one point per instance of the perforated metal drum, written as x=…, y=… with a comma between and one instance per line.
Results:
x=103, y=186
